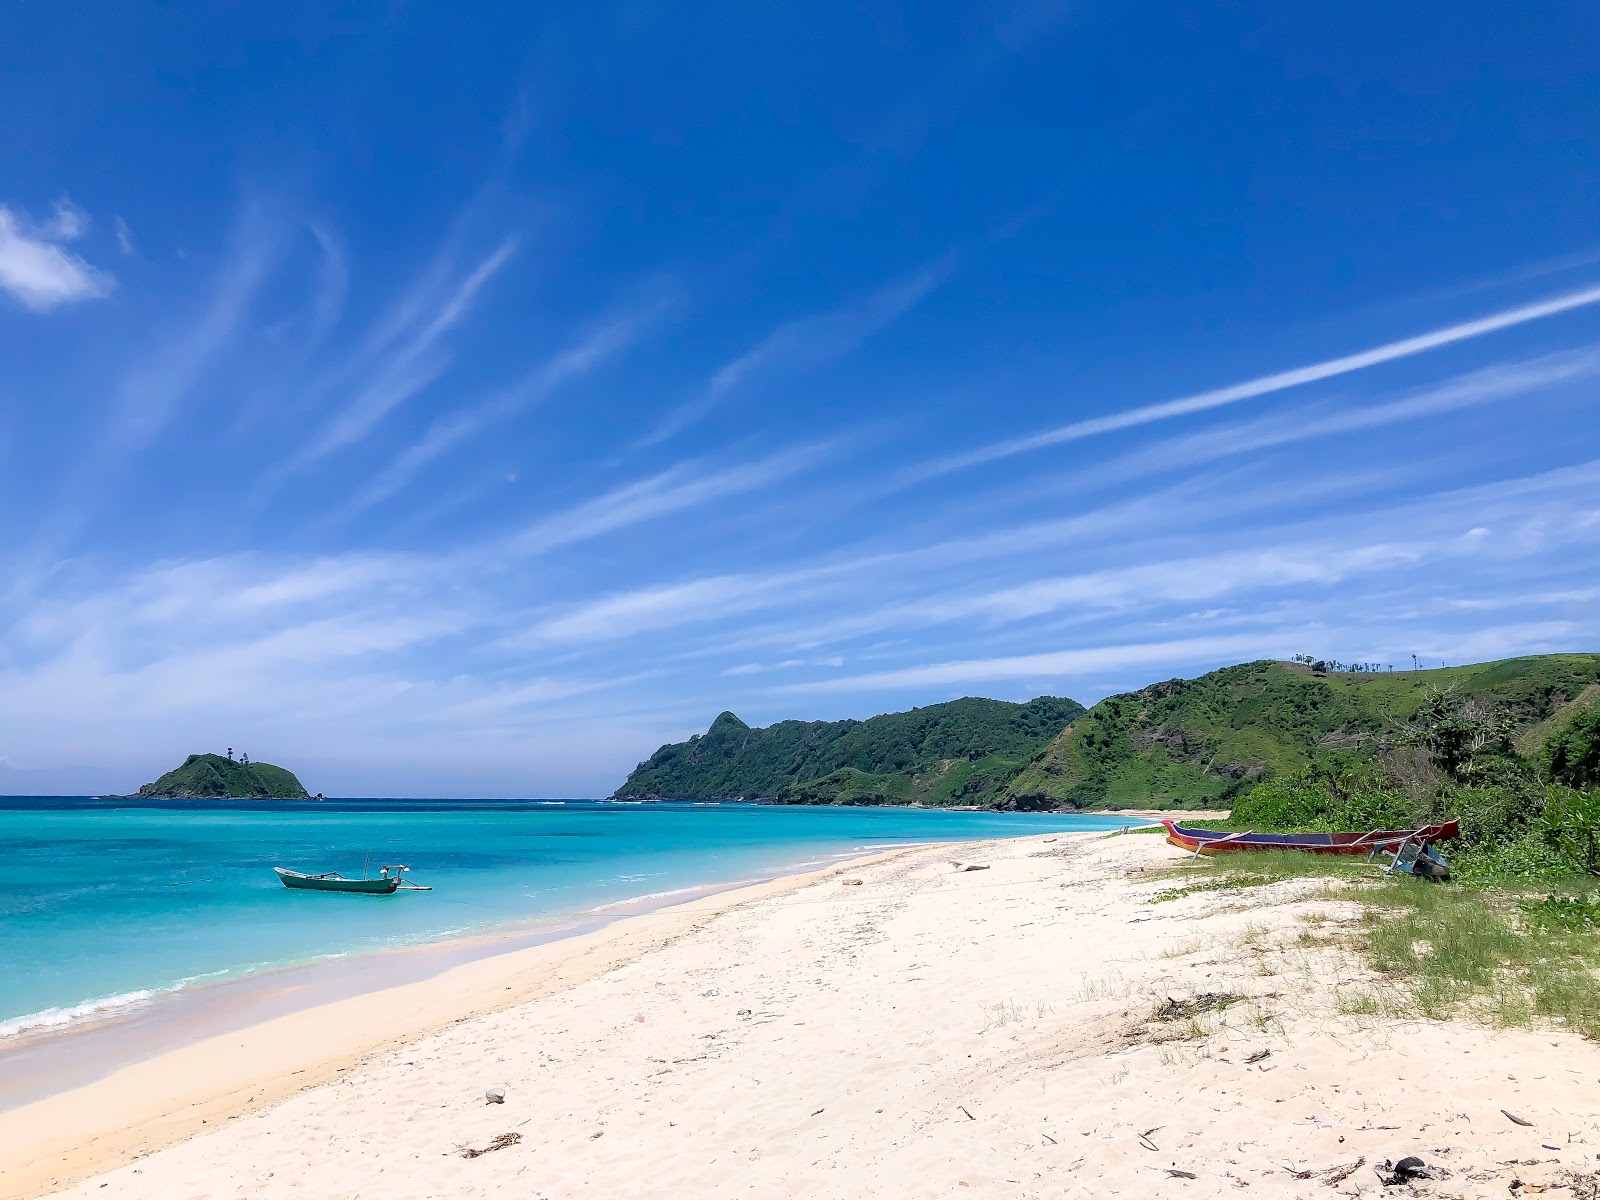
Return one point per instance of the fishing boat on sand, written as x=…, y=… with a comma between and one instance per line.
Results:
x=1391, y=841
x=385, y=884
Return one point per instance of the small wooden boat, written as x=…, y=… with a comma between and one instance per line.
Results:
x=1218, y=841
x=331, y=881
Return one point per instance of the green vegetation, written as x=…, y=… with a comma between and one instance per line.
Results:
x=962, y=752
x=1457, y=756
x=1444, y=951
x=1207, y=742
x=1498, y=955
x=1495, y=949
x=213, y=777
x=1339, y=746
x=1572, y=751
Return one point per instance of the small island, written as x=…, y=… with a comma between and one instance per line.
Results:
x=215, y=777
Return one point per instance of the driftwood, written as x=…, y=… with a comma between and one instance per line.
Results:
x=499, y=1143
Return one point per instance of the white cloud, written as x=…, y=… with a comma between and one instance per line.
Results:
x=124, y=236
x=809, y=342
x=413, y=367
x=1262, y=386
x=589, y=353
x=67, y=223
x=687, y=485
x=38, y=270
x=1058, y=664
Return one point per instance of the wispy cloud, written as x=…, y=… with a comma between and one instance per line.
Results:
x=1053, y=665
x=38, y=270
x=1491, y=385
x=592, y=351
x=808, y=343
x=1261, y=386
x=684, y=486
x=152, y=391
x=411, y=368
x=125, y=241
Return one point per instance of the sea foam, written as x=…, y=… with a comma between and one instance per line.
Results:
x=57, y=1018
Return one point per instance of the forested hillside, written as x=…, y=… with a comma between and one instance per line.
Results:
x=1194, y=743
x=1183, y=743
x=941, y=754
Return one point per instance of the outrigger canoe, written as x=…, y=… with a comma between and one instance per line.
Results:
x=1218, y=841
x=331, y=881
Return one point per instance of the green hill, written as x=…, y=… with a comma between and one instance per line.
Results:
x=1193, y=743
x=963, y=751
x=1185, y=743
x=213, y=777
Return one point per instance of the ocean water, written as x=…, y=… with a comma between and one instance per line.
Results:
x=109, y=905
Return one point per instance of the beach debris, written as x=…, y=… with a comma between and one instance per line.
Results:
x=963, y=1108
x=638, y=1018
x=972, y=866
x=851, y=882
x=1258, y=1056
x=598, y=1133
x=709, y=992
x=819, y=1112
x=743, y=1012
x=1516, y=1119
x=1174, y=1173
x=1182, y=1010
x=499, y=1143
x=1334, y=1176
x=1145, y=1138
x=1408, y=1168
x=495, y=1096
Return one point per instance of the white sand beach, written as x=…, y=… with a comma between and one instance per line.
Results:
x=923, y=1032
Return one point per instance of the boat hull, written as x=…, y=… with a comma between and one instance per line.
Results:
x=336, y=883
x=1218, y=841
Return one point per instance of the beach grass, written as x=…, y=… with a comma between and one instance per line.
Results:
x=1499, y=955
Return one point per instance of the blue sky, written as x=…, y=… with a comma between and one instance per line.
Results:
x=451, y=404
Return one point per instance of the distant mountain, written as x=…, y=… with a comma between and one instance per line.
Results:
x=1184, y=743
x=1193, y=743
x=213, y=777
x=963, y=751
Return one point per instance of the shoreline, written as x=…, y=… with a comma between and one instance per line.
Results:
x=1061, y=1022
x=38, y=1063
x=161, y=1098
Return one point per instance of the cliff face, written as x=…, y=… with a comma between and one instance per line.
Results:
x=213, y=777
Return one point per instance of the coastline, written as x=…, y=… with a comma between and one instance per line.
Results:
x=49, y=1059
x=1063, y=1022
x=179, y=1091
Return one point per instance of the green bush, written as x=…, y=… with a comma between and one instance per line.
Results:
x=1572, y=757
x=1305, y=804
x=1570, y=823
x=1526, y=861
x=1576, y=913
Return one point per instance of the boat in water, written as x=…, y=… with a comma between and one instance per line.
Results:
x=384, y=884
x=1219, y=841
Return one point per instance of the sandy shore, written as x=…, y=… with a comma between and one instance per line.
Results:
x=926, y=1032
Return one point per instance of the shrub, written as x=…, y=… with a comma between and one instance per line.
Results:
x=1572, y=757
x=1571, y=825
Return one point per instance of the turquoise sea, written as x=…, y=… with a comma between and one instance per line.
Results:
x=108, y=906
